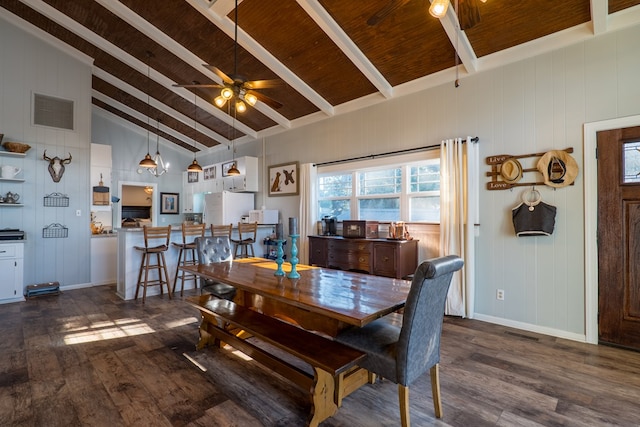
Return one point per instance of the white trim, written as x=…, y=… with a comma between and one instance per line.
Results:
x=529, y=327
x=590, y=177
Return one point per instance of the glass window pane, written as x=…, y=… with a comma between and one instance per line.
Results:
x=631, y=162
x=425, y=209
x=385, y=209
x=425, y=177
x=335, y=186
x=387, y=181
x=341, y=209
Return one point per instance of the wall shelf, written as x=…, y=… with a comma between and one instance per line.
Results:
x=12, y=179
x=11, y=154
x=11, y=205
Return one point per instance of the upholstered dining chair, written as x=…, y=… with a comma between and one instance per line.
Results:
x=215, y=249
x=403, y=353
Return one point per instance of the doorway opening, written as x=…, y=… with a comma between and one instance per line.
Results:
x=138, y=202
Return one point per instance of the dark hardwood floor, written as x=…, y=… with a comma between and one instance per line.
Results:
x=86, y=357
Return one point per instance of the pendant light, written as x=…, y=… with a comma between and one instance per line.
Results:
x=194, y=166
x=233, y=170
x=160, y=168
x=148, y=162
x=438, y=8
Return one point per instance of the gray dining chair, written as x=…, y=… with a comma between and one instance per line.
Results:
x=215, y=249
x=403, y=353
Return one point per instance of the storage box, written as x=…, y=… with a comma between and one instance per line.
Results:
x=264, y=216
x=360, y=228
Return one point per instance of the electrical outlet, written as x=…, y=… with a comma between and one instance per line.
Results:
x=500, y=294
x=78, y=212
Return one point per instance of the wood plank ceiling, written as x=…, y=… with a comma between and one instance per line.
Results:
x=331, y=56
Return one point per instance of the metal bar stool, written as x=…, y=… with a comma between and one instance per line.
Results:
x=188, y=246
x=152, y=234
x=246, y=239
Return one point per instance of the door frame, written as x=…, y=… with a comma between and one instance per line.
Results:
x=590, y=177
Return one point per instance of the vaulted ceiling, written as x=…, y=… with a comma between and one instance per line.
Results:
x=330, y=56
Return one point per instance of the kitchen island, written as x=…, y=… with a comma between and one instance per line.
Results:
x=128, y=264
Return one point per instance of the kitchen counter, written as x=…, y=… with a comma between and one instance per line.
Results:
x=103, y=235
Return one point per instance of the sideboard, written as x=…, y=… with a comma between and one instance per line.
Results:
x=382, y=257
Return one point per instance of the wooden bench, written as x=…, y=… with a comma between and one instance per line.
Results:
x=329, y=359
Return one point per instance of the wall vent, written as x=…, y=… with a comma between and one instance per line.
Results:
x=52, y=112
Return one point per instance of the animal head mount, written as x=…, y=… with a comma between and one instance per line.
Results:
x=56, y=165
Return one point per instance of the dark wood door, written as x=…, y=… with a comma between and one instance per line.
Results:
x=619, y=237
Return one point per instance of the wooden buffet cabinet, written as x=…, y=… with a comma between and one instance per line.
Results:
x=382, y=257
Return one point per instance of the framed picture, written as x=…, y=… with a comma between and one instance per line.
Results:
x=169, y=203
x=209, y=172
x=226, y=167
x=283, y=179
x=192, y=177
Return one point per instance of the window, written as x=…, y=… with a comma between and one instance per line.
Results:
x=398, y=189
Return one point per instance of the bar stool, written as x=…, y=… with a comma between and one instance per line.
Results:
x=246, y=239
x=188, y=246
x=221, y=230
x=152, y=234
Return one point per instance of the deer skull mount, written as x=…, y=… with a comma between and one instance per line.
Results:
x=56, y=166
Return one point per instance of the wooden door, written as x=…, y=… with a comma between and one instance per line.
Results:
x=619, y=237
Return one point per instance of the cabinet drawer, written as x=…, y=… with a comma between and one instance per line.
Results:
x=9, y=251
x=384, y=260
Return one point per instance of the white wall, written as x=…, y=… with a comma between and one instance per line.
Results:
x=527, y=107
x=30, y=65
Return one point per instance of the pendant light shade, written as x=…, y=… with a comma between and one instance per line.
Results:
x=194, y=166
x=148, y=162
x=233, y=170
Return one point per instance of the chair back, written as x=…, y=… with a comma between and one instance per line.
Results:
x=213, y=249
x=157, y=234
x=419, y=343
x=221, y=230
x=247, y=231
x=192, y=231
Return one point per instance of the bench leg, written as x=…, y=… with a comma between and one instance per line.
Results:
x=323, y=405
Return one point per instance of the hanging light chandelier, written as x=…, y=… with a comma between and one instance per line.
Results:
x=161, y=167
x=233, y=170
x=194, y=166
x=148, y=162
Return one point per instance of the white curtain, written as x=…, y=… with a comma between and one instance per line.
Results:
x=458, y=217
x=308, y=208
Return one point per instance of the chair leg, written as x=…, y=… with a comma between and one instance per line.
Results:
x=403, y=397
x=166, y=276
x=175, y=280
x=144, y=255
x=146, y=279
x=434, y=373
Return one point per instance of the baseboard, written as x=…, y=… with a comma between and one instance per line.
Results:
x=531, y=328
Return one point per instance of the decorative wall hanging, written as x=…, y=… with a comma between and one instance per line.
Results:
x=56, y=166
x=283, y=179
x=169, y=203
x=557, y=167
x=56, y=200
x=55, y=231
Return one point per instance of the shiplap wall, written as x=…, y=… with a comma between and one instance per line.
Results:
x=530, y=106
x=30, y=65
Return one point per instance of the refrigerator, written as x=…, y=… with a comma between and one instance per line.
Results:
x=226, y=207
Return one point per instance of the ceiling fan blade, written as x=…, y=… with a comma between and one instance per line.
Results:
x=228, y=80
x=469, y=13
x=214, y=85
x=262, y=84
x=380, y=15
x=266, y=100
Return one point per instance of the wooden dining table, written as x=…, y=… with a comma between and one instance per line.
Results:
x=322, y=299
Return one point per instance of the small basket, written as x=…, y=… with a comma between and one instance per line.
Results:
x=16, y=147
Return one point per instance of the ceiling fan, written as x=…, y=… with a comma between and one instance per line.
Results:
x=237, y=87
x=468, y=12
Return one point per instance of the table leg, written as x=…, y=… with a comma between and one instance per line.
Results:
x=323, y=405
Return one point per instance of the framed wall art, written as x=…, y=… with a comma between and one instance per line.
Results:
x=283, y=179
x=192, y=177
x=169, y=203
x=209, y=173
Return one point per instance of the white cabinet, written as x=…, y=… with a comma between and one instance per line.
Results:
x=187, y=193
x=11, y=272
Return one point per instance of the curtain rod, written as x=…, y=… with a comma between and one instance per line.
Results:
x=389, y=153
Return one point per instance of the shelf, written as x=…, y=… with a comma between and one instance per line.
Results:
x=11, y=205
x=12, y=179
x=11, y=154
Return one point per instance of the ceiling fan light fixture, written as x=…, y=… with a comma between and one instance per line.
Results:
x=240, y=106
x=219, y=101
x=226, y=93
x=438, y=8
x=251, y=99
